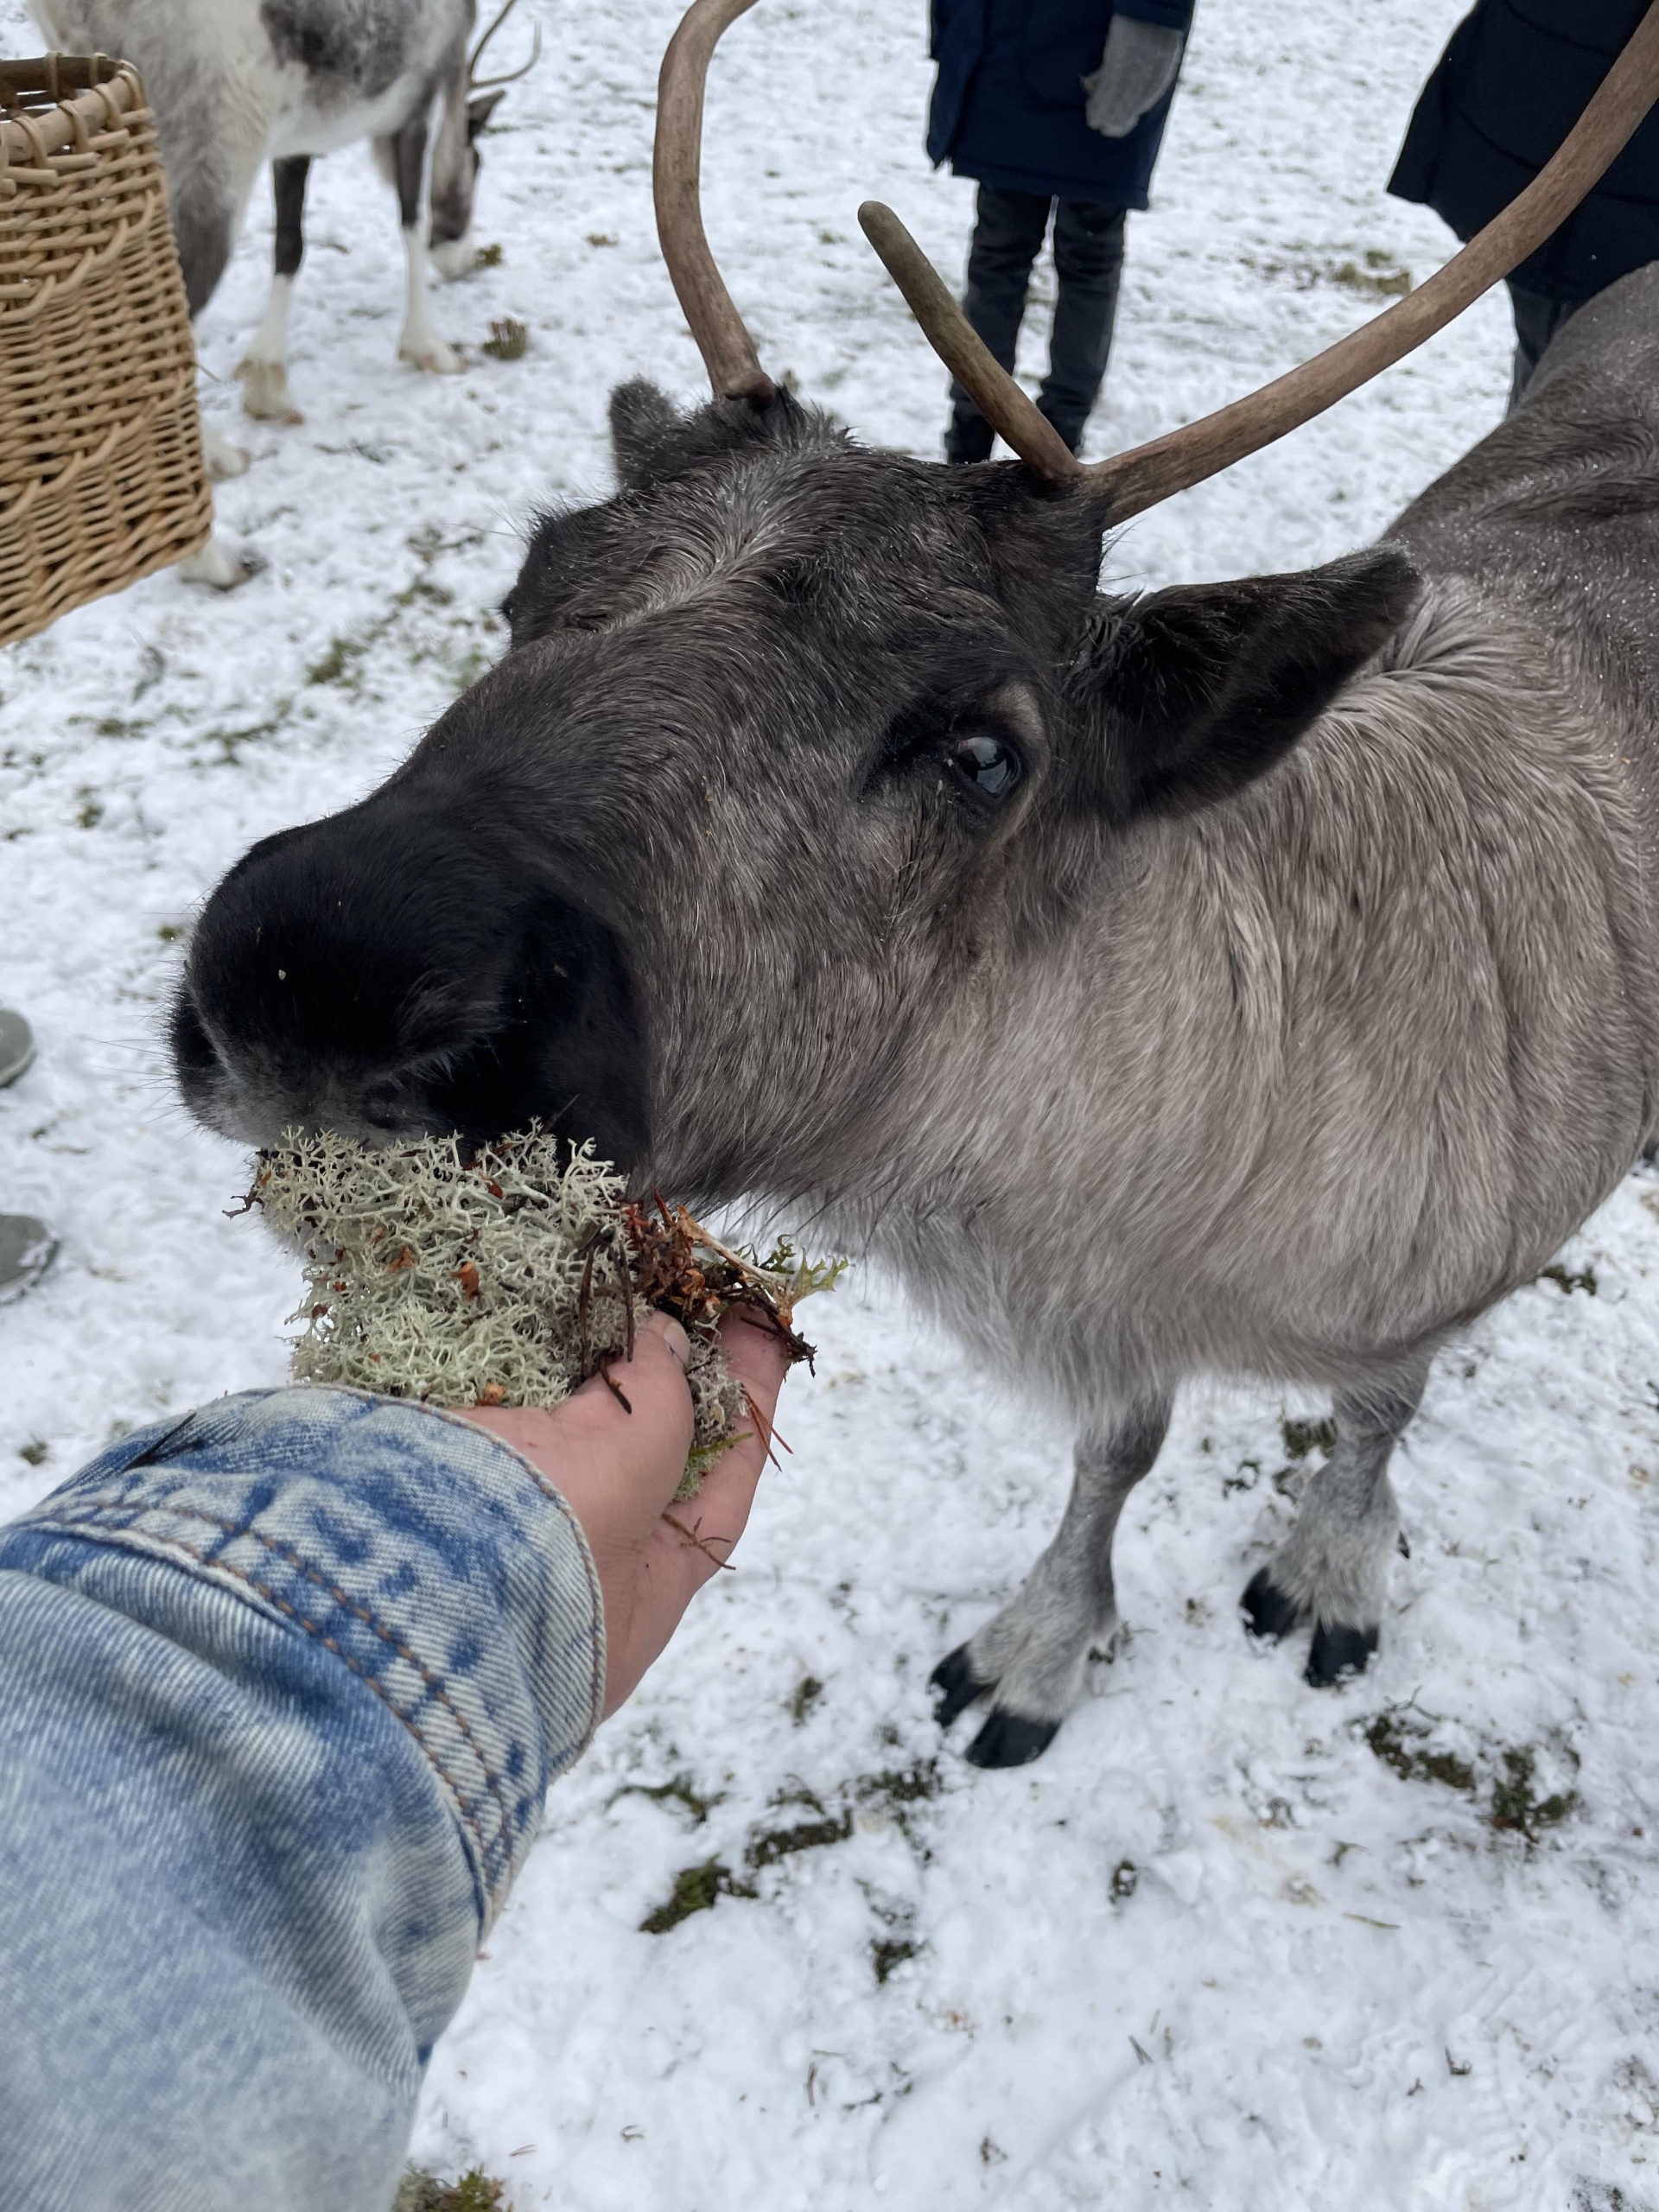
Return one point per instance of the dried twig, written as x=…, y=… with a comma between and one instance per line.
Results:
x=700, y=1542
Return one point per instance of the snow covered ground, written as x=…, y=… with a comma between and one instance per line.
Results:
x=1233, y=1943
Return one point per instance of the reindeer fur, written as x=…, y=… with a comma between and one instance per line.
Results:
x=1292, y=1005
x=235, y=83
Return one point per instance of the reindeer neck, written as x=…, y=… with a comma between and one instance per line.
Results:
x=1406, y=976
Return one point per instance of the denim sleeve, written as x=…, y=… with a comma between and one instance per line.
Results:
x=282, y=1687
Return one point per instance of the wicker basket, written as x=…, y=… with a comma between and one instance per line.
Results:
x=101, y=475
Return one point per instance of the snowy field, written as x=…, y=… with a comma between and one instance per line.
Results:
x=1234, y=1944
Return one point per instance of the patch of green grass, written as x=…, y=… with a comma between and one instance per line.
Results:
x=91, y=810
x=1382, y=278
x=340, y=664
x=890, y=1951
x=1400, y=1745
x=231, y=741
x=509, y=341
x=1515, y=1808
x=804, y=1697
x=424, y=587
x=696, y=1888
x=1302, y=1437
x=487, y=256
x=467, y=668
x=770, y=1845
x=678, y=1789
x=1376, y=275
x=36, y=1451
x=475, y=2191
x=1565, y=1283
x=1515, y=1805
x=902, y=1785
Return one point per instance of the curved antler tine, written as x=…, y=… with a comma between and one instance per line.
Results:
x=501, y=17
x=965, y=352
x=728, y=351
x=1140, y=479
x=511, y=76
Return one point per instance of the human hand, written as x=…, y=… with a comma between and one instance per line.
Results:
x=618, y=1471
x=1137, y=69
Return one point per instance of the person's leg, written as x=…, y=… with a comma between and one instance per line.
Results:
x=1008, y=233
x=1088, y=267
x=1537, y=319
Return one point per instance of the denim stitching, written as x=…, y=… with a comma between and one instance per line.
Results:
x=315, y=1628
x=455, y=1418
x=554, y=1497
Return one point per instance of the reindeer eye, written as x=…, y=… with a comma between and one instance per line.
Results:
x=992, y=767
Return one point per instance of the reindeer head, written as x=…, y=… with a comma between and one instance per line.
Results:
x=455, y=159
x=797, y=750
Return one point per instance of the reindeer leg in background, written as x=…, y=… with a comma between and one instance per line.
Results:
x=205, y=202
x=405, y=154
x=1035, y=1653
x=262, y=372
x=1333, y=1568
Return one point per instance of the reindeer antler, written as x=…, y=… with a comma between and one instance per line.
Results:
x=728, y=351
x=965, y=352
x=1140, y=479
x=477, y=84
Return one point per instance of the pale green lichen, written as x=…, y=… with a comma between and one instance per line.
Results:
x=505, y=1276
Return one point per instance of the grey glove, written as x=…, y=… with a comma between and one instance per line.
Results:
x=1136, y=70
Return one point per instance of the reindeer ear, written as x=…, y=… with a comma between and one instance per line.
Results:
x=1196, y=691
x=645, y=426
x=651, y=440
x=480, y=107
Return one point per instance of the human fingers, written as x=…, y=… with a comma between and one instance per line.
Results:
x=699, y=1536
x=616, y=1448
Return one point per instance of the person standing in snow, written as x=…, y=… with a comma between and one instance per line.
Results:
x=1055, y=107
x=1512, y=82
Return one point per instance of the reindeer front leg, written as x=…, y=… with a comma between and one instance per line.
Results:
x=420, y=343
x=263, y=372
x=1034, y=1654
x=1332, y=1569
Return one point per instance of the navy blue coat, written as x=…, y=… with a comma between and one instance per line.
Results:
x=1514, y=79
x=1008, y=102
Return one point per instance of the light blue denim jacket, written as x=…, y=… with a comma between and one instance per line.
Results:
x=282, y=1687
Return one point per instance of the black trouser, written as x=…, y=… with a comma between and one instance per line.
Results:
x=1537, y=319
x=1088, y=263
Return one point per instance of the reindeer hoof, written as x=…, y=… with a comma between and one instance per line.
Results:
x=1338, y=1654
x=265, y=392
x=430, y=355
x=1007, y=1739
x=958, y=1685
x=216, y=565
x=458, y=258
x=223, y=460
x=1268, y=1613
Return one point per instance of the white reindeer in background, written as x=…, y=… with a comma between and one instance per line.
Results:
x=235, y=83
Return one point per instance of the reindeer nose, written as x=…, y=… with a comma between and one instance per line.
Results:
x=373, y=974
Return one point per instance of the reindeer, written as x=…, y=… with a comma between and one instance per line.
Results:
x=1254, y=979
x=237, y=82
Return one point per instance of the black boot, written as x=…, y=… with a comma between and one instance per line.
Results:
x=970, y=436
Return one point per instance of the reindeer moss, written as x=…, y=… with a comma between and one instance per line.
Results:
x=507, y=1276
